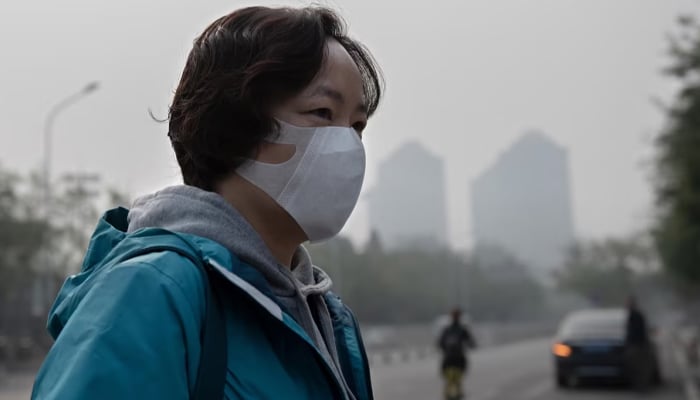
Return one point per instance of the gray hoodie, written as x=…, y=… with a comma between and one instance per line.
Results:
x=188, y=209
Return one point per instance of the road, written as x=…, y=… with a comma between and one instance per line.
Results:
x=520, y=371
x=16, y=386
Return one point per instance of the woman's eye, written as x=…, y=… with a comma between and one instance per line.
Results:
x=324, y=113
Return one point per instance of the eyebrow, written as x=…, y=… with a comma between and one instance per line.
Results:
x=324, y=90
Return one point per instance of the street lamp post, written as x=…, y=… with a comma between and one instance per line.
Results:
x=48, y=129
x=42, y=284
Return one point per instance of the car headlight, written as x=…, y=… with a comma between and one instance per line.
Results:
x=561, y=350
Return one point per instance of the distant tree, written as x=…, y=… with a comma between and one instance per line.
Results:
x=116, y=198
x=605, y=272
x=79, y=200
x=22, y=233
x=418, y=284
x=501, y=287
x=37, y=251
x=677, y=230
x=74, y=214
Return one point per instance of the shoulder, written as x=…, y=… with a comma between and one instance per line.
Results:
x=164, y=274
x=157, y=259
x=128, y=327
x=166, y=266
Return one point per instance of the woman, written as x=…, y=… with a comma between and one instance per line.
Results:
x=203, y=290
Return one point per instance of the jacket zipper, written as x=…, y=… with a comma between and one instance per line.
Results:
x=273, y=309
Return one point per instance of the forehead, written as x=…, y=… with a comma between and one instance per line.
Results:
x=340, y=73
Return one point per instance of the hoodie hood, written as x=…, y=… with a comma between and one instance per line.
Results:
x=188, y=209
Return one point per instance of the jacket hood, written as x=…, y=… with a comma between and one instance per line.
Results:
x=190, y=210
x=109, y=234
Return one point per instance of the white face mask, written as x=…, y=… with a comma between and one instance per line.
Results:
x=320, y=185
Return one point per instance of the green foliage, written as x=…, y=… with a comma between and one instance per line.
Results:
x=502, y=288
x=607, y=272
x=677, y=230
x=414, y=285
x=19, y=234
x=36, y=253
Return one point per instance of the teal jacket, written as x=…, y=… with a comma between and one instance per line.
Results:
x=128, y=326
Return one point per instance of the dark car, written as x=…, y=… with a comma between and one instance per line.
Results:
x=591, y=344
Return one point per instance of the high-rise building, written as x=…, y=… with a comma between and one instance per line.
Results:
x=523, y=203
x=407, y=206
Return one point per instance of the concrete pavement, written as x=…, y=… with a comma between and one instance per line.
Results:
x=520, y=371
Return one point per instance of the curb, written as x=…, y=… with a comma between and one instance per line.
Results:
x=400, y=356
x=690, y=386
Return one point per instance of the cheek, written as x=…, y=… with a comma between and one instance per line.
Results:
x=275, y=153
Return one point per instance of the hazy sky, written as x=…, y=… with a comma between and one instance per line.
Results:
x=465, y=78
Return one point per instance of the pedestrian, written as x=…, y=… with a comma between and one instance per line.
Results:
x=204, y=290
x=455, y=340
x=637, y=347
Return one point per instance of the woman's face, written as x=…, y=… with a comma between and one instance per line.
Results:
x=334, y=98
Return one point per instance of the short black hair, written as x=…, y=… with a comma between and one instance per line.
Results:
x=238, y=69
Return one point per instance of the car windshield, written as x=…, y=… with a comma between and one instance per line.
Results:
x=608, y=323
